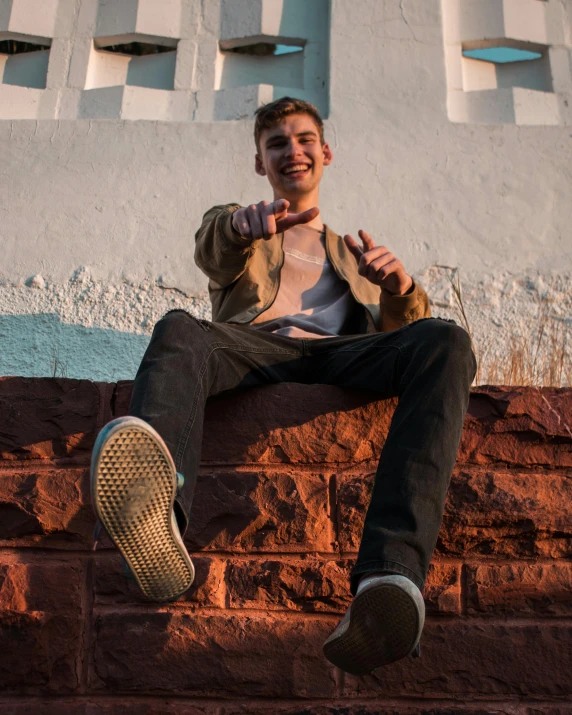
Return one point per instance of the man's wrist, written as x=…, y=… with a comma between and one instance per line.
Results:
x=406, y=291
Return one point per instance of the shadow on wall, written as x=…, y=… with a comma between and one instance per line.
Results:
x=40, y=345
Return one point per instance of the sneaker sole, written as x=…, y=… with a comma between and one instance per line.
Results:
x=384, y=626
x=133, y=490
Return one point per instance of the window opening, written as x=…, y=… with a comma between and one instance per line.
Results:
x=24, y=63
x=287, y=49
x=502, y=55
x=17, y=47
x=132, y=60
x=263, y=49
x=137, y=49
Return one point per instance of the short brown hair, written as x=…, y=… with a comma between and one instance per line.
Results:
x=270, y=115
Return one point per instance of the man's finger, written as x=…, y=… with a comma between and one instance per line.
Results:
x=388, y=268
x=385, y=260
x=278, y=207
x=377, y=252
x=240, y=224
x=295, y=219
x=270, y=225
x=368, y=242
x=381, y=268
x=353, y=247
x=255, y=222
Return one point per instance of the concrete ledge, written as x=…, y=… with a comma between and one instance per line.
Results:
x=275, y=528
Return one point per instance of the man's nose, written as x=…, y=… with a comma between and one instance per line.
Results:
x=292, y=148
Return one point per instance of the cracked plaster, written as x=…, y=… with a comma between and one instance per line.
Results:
x=89, y=329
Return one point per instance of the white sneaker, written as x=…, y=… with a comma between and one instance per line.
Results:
x=382, y=625
x=133, y=486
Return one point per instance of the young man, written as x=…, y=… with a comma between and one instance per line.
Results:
x=293, y=301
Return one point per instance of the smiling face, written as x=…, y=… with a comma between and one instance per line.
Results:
x=292, y=157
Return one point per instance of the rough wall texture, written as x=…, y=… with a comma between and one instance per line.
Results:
x=275, y=527
x=87, y=185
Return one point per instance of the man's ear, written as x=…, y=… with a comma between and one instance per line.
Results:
x=258, y=166
x=328, y=154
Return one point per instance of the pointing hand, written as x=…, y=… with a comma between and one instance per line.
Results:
x=379, y=265
x=265, y=220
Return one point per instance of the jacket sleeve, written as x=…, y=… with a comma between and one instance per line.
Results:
x=395, y=311
x=220, y=251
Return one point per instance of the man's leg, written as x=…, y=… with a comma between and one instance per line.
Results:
x=139, y=460
x=429, y=365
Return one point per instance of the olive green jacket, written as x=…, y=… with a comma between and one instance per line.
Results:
x=244, y=276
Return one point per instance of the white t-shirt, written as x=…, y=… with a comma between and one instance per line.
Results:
x=312, y=301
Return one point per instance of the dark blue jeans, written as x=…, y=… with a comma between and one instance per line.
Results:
x=429, y=365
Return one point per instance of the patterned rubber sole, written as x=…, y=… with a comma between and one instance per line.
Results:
x=384, y=623
x=134, y=484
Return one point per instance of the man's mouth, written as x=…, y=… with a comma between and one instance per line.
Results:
x=296, y=170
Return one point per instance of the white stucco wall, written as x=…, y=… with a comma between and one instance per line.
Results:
x=101, y=191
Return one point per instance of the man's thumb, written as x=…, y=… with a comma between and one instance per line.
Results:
x=353, y=247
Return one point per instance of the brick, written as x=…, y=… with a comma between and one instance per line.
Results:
x=179, y=706
x=160, y=706
x=304, y=584
x=154, y=708
x=289, y=423
x=151, y=707
x=510, y=515
x=350, y=707
x=520, y=588
x=45, y=707
x=215, y=655
x=506, y=514
x=353, y=497
x=478, y=659
x=40, y=626
x=442, y=591
x=48, y=418
x=260, y=511
x=317, y=585
x=111, y=586
x=46, y=507
x=51, y=418
x=39, y=652
x=521, y=426
x=292, y=423
x=122, y=397
x=125, y=706
x=29, y=585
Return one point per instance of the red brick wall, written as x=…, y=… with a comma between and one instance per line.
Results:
x=276, y=523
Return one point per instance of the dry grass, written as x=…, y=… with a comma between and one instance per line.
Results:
x=541, y=363
x=540, y=359
x=59, y=367
x=455, y=281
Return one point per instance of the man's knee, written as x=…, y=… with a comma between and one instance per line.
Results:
x=178, y=316
x=177, y=324
x=444, y=338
